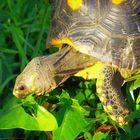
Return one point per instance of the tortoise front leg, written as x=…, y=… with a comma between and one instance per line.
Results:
x=109, y=92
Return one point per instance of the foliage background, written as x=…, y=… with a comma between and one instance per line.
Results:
x=74, y=106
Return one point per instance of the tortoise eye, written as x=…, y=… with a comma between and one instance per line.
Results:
x=22, y=87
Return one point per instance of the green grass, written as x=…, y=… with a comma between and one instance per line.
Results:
x=24, y=26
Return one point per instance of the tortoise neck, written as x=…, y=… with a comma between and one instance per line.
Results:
x=63, y=64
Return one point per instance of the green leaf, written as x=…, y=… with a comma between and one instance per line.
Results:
x=101, y=136
x=15, y=117
x=10, y=51
x=45, y=119
x=16, y=35
x=3, y=85
x=125, y=136
x=134, y=115
x=6, y=134
x=64, y=95
x=136, y=131
x=138, y=99
x=133, y=78
x=136, y=84
x=73, y=124
x=44, y=19
x=87, y=136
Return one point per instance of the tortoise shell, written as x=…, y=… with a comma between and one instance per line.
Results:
x=106, y=29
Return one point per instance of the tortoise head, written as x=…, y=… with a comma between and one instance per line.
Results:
x=32, y=80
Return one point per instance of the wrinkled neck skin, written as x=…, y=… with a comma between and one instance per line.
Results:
x=58, y=67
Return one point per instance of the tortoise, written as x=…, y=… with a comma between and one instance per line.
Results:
x=89, y=32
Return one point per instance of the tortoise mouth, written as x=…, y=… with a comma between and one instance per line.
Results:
x=19, y=95
x=20, y=91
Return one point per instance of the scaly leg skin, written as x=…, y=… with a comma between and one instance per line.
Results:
x=109, y=92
